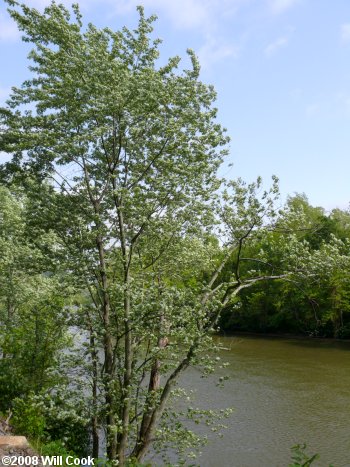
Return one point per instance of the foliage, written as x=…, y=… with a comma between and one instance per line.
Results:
x=301, y=458
x=46, y=419
x=315, y=302
x=28, y=419
x=56, y=448
x=139, y=147
x=33, y=314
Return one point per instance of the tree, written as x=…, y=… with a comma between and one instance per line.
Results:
x=32, y=301
x=131, y=147
x=302, y=239
x=122, y=154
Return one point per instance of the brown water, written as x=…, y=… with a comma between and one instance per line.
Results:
x=284, y=392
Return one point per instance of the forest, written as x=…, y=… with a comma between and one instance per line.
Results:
x=123, y=250
x=317, y=306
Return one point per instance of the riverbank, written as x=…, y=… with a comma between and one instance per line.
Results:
x=279, y=336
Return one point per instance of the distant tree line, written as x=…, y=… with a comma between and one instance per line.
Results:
x=317, y=305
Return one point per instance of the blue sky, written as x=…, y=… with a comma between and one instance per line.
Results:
x=281, y=69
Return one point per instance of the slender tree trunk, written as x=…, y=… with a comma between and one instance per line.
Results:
x=107, y=341
x=108, y=357
x=95, y=438
x=141, y=448
x=10, y=314
x=94, y=420
x=153, y=387
x=125, y=406
x=125, y=413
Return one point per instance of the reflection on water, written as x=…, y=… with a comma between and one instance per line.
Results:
x=284, y=392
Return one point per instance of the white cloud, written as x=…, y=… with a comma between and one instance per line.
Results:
x=215, y=50
x=188, y=14
x=183, y=13
x=274, y=46
x=279, y=6
x=200, y=15
x=345, y=33
x=203, y=16
x=8, y=28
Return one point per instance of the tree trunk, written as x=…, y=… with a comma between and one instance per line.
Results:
x=94, y=420
x=108, y=356
x=125, y=403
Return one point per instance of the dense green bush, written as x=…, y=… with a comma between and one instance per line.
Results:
x=49, y=419
x=28, y=419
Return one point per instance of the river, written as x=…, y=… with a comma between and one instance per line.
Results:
x=284, y=392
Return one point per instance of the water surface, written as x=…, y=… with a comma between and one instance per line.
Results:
x=284, y=392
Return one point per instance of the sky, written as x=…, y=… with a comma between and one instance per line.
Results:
x=281, y=69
